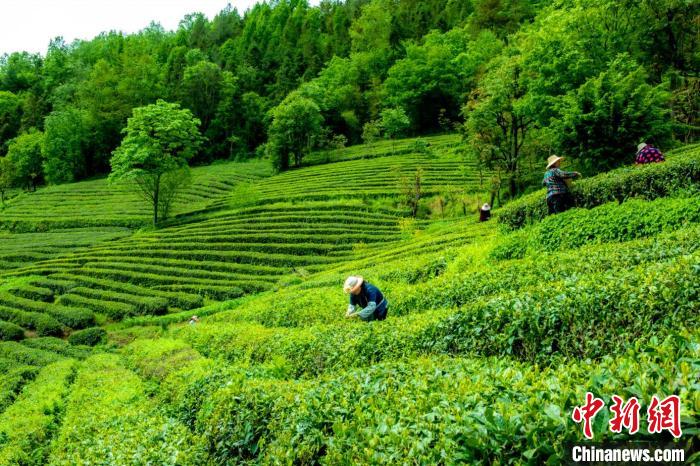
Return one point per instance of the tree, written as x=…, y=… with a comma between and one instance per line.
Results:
x=66, y=135
x=201, y=87
x=498, y=118
x=394, y=122
x=296, y=122
x=10, y=118
x=25, y=153
x=8, y=176
x=371, y=132
x=437, y=75
x=603, y=121
x=159, y=140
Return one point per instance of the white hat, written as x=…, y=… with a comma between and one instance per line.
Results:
x=552, y=160
x=352, y=284
x=486, y=206
x=641, y=146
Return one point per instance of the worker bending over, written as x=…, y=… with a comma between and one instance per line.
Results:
x=366, y=301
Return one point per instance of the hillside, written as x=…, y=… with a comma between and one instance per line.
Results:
x=492, y=335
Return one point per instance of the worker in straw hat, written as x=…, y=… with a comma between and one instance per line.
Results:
x=366, y=301
x=558, y=196
x=648, y=154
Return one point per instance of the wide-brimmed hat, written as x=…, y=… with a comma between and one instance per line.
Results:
x=353, y=283
x=553, y=159
x=641, y=146
x=486, y=206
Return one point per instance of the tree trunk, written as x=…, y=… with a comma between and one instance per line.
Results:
x=513, y=186
x=156, y=193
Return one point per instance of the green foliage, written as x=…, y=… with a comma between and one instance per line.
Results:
x=602, y=122
x=159, y=140
x=45, y=325
x=499, y=120
x=58, y=346
x=65, y=137
x=10, y=113
x=30, y=423
x=394, y=122
x=648, y=182
x=10, y=331
x=25, y=355
x=89, y=336
x=109, y=405
x=8, y=177
x=295, y=123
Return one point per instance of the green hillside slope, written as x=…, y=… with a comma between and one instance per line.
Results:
x=493, y=335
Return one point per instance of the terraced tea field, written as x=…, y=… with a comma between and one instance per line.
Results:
x=100, y=203
x=492, y=336
x=215, y=249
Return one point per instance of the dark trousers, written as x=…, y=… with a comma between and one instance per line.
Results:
x=381, y=310
x=558, y=203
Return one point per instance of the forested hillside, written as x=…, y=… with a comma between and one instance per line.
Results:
x=519, y=78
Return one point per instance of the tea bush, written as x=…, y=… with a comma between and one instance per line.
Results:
x=437, y=410
x=29, y=424
x=9, y=331
x=647, y=181
x=89, y=337
x=108, y=405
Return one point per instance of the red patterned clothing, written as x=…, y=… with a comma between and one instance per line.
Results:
x=649, y=155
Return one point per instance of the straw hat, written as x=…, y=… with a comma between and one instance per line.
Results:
x=352, y=284
x=552, y=160
x=641, y=146
x=486, y=206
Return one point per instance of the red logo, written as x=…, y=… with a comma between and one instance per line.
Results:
x=626, y=416
x=661, y=415
x=587, y=412
x=665, y=415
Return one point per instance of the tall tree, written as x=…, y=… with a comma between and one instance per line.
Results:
x=25, y=153
x=499, y=119
x=8, y=177
x=10, y=118
x=296, y=122
x=159, y=140
x=66, y=135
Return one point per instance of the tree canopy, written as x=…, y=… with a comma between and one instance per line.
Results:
x=159, y=140
x=356, y=59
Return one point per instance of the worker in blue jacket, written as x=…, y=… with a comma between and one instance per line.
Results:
x=366, y=301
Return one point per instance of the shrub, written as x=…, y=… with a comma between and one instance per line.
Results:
x=43, y=324
x=611, y=222
x=111, y=309
x=69, y=316
x=9, y=331
x=30, y=422
x=90, y=336
x=33, y=292
x=109, y=406
x=25, y=355
x=647, y=181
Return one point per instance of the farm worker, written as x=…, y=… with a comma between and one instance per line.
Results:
x=194, y=320
x=558, y=196
x=485, y=212
x=648, y=154
x=366, y=301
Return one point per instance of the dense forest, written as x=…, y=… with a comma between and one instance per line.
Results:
x=518, y=78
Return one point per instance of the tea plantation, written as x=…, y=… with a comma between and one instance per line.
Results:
x=496, y=330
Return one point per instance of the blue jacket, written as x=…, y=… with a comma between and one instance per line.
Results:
x=372, y=301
